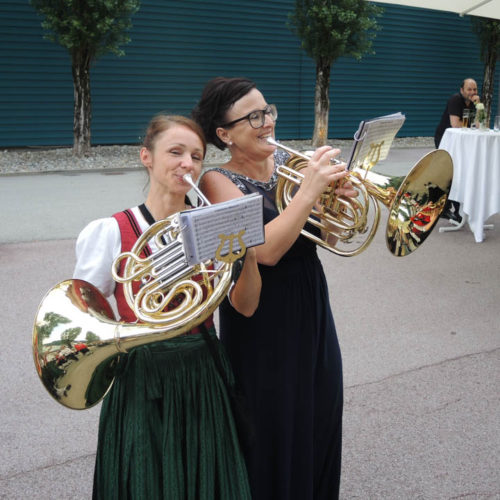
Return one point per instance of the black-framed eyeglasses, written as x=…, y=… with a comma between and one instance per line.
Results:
x=257, y=118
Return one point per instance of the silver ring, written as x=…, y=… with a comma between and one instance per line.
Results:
x=334, y=161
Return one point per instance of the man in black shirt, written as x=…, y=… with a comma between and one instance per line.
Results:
x=452, y=117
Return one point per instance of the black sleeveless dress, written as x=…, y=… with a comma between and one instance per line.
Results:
x=287, y=361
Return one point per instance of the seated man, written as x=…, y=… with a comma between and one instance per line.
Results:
x=452, y=117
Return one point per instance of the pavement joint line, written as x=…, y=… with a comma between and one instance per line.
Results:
x=423, y=367
x=45, y=467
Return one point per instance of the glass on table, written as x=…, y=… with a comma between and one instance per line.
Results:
x=496, y=126
x=465, y=117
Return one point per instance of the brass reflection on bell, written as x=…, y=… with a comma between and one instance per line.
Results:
x=77, y=343
x=418, y=203
x=74, y=345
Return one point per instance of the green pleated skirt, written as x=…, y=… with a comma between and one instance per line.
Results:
x=166, y=430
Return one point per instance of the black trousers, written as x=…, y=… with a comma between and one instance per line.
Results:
x=451, y=205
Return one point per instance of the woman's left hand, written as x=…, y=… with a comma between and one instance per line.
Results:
x=346, y=189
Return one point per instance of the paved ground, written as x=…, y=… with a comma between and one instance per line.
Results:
x=420, y=338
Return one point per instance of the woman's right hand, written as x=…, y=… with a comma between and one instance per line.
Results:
x=321, y=172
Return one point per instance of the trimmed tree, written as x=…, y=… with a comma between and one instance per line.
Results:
x=488, y=32
x=88, y=29
x=329, y=29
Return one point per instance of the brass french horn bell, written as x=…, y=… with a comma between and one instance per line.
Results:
x=346, y=226
x=77, y=341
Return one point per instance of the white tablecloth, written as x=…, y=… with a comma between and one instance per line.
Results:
x=476, y=173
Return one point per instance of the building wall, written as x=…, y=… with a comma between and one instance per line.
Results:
x=421, y=57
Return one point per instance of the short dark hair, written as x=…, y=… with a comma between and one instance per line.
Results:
x=217, y=97
x=464, y=80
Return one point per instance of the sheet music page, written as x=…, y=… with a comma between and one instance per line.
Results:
x=373, y=139
x=202, y=227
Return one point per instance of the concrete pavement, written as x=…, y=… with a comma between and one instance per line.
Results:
x=420, y=338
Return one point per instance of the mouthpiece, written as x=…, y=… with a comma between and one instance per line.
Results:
x=189, y=180
x=273, y=142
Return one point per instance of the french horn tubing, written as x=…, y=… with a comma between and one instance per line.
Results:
x=77, y=341
x=346, y=226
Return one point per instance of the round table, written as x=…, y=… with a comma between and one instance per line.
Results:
x=476, y=175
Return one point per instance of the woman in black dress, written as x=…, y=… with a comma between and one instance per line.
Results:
x=286, y=357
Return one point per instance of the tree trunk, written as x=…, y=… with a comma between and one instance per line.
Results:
x=321, y=104
x=489, y=82
x=82, y=115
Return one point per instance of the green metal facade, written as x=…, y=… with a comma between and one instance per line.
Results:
x=421, y=56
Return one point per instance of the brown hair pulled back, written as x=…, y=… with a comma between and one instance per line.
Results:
x=161, y=123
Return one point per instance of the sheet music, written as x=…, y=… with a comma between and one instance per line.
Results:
x=202, y=227
x=373, y=139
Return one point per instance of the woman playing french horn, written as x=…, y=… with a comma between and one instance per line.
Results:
x=166, y=428
x=286, y=357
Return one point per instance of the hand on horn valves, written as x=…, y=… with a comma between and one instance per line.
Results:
x=339, y=168
x=320, y=172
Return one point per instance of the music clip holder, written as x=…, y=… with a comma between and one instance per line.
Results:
x=373, y=140
x=223, y=230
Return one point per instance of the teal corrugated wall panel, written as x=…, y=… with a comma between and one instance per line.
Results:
x=184, y=51
x=420, y=58
x=36, y=89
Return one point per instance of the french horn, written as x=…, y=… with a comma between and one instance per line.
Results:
x=77, y=341
x=346, y=226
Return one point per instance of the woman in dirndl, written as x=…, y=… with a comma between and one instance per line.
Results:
x=166, y=426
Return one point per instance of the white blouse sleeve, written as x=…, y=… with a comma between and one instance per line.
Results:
x=97, y=246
